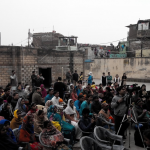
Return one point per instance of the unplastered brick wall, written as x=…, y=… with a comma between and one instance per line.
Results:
x=5, y=72
x=25, y=60
x=5, y=65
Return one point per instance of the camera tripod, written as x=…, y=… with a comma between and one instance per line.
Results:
x=130, y=119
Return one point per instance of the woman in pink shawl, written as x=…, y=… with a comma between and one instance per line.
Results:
x=44, y=93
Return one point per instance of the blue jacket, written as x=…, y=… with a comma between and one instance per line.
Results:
x=77, y=104
x=85, y=105
x=9, y=130
x=79, y=91
x=90, y=79
x=48, y=97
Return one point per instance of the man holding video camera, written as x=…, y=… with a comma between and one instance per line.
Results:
x=119, y=105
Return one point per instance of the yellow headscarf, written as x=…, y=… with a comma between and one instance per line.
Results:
x=15, y=113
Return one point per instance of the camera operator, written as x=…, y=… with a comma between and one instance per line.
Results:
x=119, y=105
x=141, y=114
x=147, y=104
x=142, y=92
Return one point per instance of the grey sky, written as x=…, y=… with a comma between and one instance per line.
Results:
x=93, y=21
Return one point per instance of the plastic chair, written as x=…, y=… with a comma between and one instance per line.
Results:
x=66, y=140
x=83, y=132
x=107, y=138
x=87, y=143
x=106, y=122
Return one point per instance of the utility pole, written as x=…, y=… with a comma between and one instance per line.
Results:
x=141, y=48
x=0, y=38
x=28, y=37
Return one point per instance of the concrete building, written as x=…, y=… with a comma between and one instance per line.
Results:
x=47, y=40
x=50, y=63
x=139, y=39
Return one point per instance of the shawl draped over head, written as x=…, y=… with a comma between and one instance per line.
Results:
x=54, y=116
x=38, y=123
x=69, y=110
x=7, y=114
x=44, y=93
x=21, y=107
x=48, y=104
x=15, y=122
x=6, y=142
x=31, y=112
x=26, y=131
x=41, y=107
x=27, y=90
x=51, y=137
x=27, y=134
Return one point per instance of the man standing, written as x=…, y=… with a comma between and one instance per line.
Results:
x=119, y=105
x=109, y=78
x=13, y=81
x=33, y=78
x=103, y=80
x=68, y=76
x=42, y=78
x=75, y=78
x=81, y=77
x=60, y=87
x=38, y=81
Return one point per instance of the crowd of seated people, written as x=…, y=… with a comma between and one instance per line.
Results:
x=34, y=111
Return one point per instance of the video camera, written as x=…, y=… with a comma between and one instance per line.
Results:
x=132, y=88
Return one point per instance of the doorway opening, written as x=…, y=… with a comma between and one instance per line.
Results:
x=46, y=73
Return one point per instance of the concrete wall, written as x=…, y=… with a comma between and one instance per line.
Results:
x=24, y=61
x=135, y=68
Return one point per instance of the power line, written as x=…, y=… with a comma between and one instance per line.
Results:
x=21, y=41
x=113, y=41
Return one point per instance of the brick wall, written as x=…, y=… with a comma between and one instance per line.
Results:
x=24, y=61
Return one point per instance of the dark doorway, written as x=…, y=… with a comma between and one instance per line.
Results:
x=46, y=72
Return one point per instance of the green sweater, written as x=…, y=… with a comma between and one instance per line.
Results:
x=109, y=78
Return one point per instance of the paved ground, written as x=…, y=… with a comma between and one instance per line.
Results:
x=132, y=143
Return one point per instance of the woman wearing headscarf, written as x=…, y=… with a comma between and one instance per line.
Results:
x=6, y=111
x=51, y=137
x=38, y=121
x=74, y=95
x=32, y=111
x=48, y=104
x=43, y=90
x=6, y=142
x=26, y=133
x=21, y=106
x=55, y=123
x=20, y=91
x=27, y=90
x=66, y=128
x=17, y=120
x=72, y=115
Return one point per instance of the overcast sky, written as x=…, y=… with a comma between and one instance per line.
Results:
x=93, y=21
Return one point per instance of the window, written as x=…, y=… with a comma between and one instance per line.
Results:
x=143, y=26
